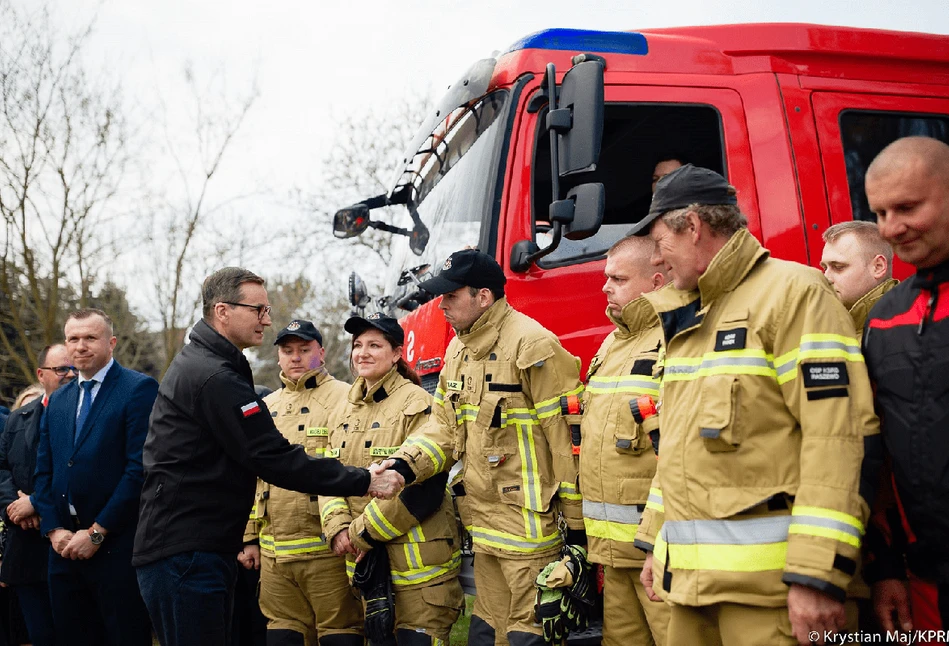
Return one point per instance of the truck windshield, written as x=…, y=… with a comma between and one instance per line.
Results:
x=454, y=191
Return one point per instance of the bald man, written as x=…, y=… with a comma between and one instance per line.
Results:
x=906, y=344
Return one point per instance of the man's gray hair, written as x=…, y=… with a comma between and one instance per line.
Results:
x=723, y=219
x=224, y=286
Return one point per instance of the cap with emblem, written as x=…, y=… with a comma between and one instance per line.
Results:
x=300, y=329
x=389, y=326
x=684, y=187
x=466, y=268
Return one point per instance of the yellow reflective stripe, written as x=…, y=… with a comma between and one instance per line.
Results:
x=380, y=523
x=439, y=397
x=635, y=385
x=331, y=453
x=727, y=558
x=826, y=523
x=253, y=511
x=350, y=567
x=530, y=476
x=550, y=407
x=569, y=491
x=429, y=448
x=817, y=346
x=466, y=413
x=334, y=505
x=512, y=542
x=609, y=530
x=295, y=546
x=654, y=501
x=426, y=572
x=752, y=361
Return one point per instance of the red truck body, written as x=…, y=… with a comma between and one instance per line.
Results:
x=791, y=114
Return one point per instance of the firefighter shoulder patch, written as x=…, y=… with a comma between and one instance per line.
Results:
x=831, y=373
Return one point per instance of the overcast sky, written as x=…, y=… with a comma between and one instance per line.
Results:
x=314, y=59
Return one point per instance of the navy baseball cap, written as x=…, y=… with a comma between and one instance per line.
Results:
x=301, y=329
x=684, y=187
x=466, y=268
x=356, y=325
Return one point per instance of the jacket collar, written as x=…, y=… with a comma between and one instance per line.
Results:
x=730, y=265
x=379, y=391
x=635, y=316
x=861, y=309
x=928, y=278
x=207, y=337
x=483, y=334
x=311, y=379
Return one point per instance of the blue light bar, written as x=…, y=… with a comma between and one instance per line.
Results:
x=581, y=40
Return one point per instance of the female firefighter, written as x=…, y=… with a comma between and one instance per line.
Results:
x=421, y=596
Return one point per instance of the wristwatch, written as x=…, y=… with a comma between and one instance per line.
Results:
x=95, y=536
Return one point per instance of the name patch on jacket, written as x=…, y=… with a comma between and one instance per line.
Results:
x=455, y=385
x=825, y=374
x=731, y=339
x=317, y=432
x=382, y=451
x=250, y=409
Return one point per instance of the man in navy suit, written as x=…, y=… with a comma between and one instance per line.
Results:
x=88, y=482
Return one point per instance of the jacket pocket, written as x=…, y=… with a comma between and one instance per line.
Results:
x=260, y=500
x=717, y=421
x=538, y=498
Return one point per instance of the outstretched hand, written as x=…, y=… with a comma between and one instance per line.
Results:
x=384, y=482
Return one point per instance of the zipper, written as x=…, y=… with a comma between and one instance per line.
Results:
x=930, y=311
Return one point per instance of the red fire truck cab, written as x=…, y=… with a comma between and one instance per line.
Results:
x=790, y=114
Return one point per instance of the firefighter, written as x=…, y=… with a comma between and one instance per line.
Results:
x=304, y=591
x=417, y=530
x=617, y=458
x=763, y=474
x=506, y=397
x=858, y=262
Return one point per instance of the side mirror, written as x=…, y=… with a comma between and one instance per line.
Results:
x=418, y=239
x=589, y=203
x=358, y=295
x=351, y=221
x=581, y=93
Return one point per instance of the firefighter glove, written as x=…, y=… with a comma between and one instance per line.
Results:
x=547, y=609
x=372, y=579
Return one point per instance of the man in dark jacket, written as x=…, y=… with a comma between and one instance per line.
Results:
x=210, y=437
x=906, y=344
x=27, y=551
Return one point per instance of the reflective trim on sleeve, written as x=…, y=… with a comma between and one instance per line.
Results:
x=380, y=523
x=826, y=523
x=551, y=407
x=429, y=448
x=817, y=346
x=654, y=501
x=333, y=506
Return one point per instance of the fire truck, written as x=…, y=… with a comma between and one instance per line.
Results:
x=543, y=156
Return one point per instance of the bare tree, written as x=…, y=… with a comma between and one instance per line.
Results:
x=183, y=236
x=63, y=154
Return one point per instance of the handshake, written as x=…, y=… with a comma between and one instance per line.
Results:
x=384, y=481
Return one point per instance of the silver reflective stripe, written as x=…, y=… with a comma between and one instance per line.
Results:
x=597, y=383
x=786, y=367
x=624, y=514
x=300, y=546
x=546, y=408
x=756, y=362
x=532, y=494
x=751, y=531
x=524, y=417
x=654, y=499
x=827, y=522
x=502, y=540
x=829, y=345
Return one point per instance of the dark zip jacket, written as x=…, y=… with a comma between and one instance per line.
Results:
x=906, y=344
x=209, y=438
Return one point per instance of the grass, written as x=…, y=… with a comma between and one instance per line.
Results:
x=459, y=632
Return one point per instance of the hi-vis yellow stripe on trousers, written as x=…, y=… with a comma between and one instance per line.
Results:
x=747, y=545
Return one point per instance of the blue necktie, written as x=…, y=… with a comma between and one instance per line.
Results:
x=85, y=407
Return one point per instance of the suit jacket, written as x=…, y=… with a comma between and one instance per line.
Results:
x=100, y=472
x=26, y=550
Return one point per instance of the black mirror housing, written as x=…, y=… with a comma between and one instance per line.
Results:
x=358, y=295
x=351, y=221
x=582, y=93
x=589, y=204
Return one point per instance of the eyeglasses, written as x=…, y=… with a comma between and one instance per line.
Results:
x=61, y=371
x=262, y=310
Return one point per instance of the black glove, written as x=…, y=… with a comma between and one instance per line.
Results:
x=579, y=598
x=372, y=579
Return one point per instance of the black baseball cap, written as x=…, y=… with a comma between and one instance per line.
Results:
x=301, y=329
x=466, y=268
x=683, y=187
x=356, y=325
